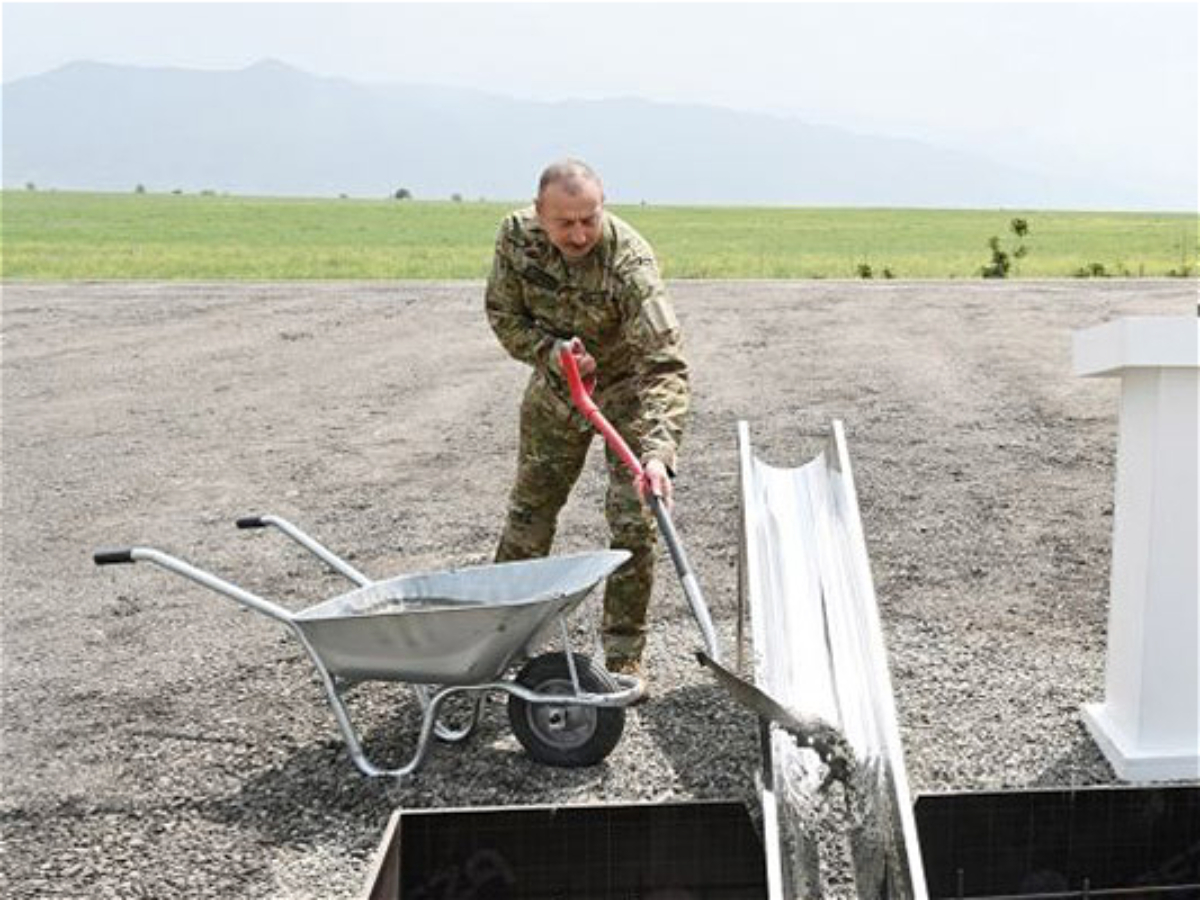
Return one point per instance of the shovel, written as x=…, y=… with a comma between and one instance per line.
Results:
x=581, y=395
x=808, y=731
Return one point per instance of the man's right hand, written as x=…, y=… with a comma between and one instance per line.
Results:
x=584, y=360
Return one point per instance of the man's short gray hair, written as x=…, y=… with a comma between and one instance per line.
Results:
x=571, y=174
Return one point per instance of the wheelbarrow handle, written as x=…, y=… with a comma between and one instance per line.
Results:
x=107, y=557
x=309, y=543
x=111, y=556
x=581, y=396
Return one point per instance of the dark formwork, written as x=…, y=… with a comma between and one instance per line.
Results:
x=701, y=851
x=1087, y=842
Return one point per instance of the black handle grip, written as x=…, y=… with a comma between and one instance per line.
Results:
x=112, y=557
x=251, y=522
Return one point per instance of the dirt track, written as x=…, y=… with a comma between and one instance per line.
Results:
x=156, y=738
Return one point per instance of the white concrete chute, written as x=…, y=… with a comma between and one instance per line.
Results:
x=819, y=651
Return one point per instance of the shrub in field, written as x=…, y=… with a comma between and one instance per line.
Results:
x=402, y=194
x=866, y=270
x=1187, y=257
x=1092, y=270
x=1002, y=260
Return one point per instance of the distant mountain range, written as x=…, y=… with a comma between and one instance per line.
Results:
x=271, y=129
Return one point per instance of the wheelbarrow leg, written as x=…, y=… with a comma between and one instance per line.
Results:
x=429, y=723
x=444, y=732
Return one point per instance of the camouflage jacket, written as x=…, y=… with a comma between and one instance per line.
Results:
x=614, y=301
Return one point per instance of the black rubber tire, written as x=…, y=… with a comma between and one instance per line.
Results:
x=587, y=734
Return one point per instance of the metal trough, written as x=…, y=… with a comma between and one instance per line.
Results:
x=818, y=651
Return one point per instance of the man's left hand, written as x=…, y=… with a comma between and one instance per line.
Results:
x=655, y=480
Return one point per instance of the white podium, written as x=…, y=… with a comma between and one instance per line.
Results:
x=1149, y=723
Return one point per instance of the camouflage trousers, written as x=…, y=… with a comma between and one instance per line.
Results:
x=553, y=446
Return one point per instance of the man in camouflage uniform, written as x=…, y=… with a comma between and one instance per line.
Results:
x=565, y=268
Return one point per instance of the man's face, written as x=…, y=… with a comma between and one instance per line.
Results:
x=572, y=220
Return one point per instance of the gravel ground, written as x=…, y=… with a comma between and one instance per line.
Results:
x=157, y=739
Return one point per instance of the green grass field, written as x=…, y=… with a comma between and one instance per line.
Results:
x=67, y=235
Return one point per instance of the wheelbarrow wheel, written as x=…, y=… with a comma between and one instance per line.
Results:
x=569, y=735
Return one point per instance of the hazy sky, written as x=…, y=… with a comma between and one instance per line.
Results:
x=1111, y=85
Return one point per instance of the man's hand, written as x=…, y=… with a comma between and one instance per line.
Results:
x=655, y=480
x=584, y=360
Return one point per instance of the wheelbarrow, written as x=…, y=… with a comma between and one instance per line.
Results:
x=453, y=632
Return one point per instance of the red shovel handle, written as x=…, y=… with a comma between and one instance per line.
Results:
x=581, y=394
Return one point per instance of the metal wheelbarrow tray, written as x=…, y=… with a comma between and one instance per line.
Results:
x=450, y=632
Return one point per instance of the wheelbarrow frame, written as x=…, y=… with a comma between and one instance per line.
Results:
x=431, y=695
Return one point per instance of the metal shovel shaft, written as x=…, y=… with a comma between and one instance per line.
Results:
x=691, y=586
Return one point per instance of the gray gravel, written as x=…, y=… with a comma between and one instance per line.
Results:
x=158, y=740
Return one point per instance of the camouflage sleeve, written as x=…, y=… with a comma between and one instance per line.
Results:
x=504, y=300
x=652, y=332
